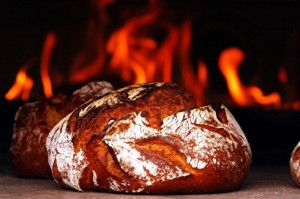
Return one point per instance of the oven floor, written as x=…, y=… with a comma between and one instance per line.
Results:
x=262, y=182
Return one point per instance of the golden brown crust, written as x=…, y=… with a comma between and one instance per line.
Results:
x=33, y=122
x=211, y=159
x=295, y=164
x=158, y=100
x=149, y=138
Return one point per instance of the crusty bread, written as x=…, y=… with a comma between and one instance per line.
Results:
x=295, y=164
x=33, y=122
x=149, y=138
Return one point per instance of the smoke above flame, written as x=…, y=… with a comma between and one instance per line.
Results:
x=135, y=54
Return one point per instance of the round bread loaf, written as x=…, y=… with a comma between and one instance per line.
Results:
x=149, y=138
x=33, y=122
x=295, y=164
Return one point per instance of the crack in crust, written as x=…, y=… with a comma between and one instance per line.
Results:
x=140, y=149
x=141, y=137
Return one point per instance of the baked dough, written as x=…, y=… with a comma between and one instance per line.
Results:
x=295, y=164
x=149, y=138
x=33, y=122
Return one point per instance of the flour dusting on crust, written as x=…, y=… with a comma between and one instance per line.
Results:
x=20, y=132
x=201, y=138
x=199, y=145
x=61, y=150
x=113, y=97
x=94, y=89
x=130, y=159
x=203, y=144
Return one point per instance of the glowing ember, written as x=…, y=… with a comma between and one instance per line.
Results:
x=282, y=75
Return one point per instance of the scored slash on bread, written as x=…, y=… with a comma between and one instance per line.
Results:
x=185, y=145
x=149, y=138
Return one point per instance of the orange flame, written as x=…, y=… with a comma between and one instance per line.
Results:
x=133, y=64
x=138, y=57
x=89, y=63
x=229, y=62
x=23, y=83
x=202, y=75
x=194, y=81
x=45, y=63
x=22, y=86
x=133, y=53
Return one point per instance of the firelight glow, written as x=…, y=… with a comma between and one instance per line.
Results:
x=45, y=63
x=23, y=83
x=22, y=86
x=229, y=62
x=133, y=54
x=139, y=58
